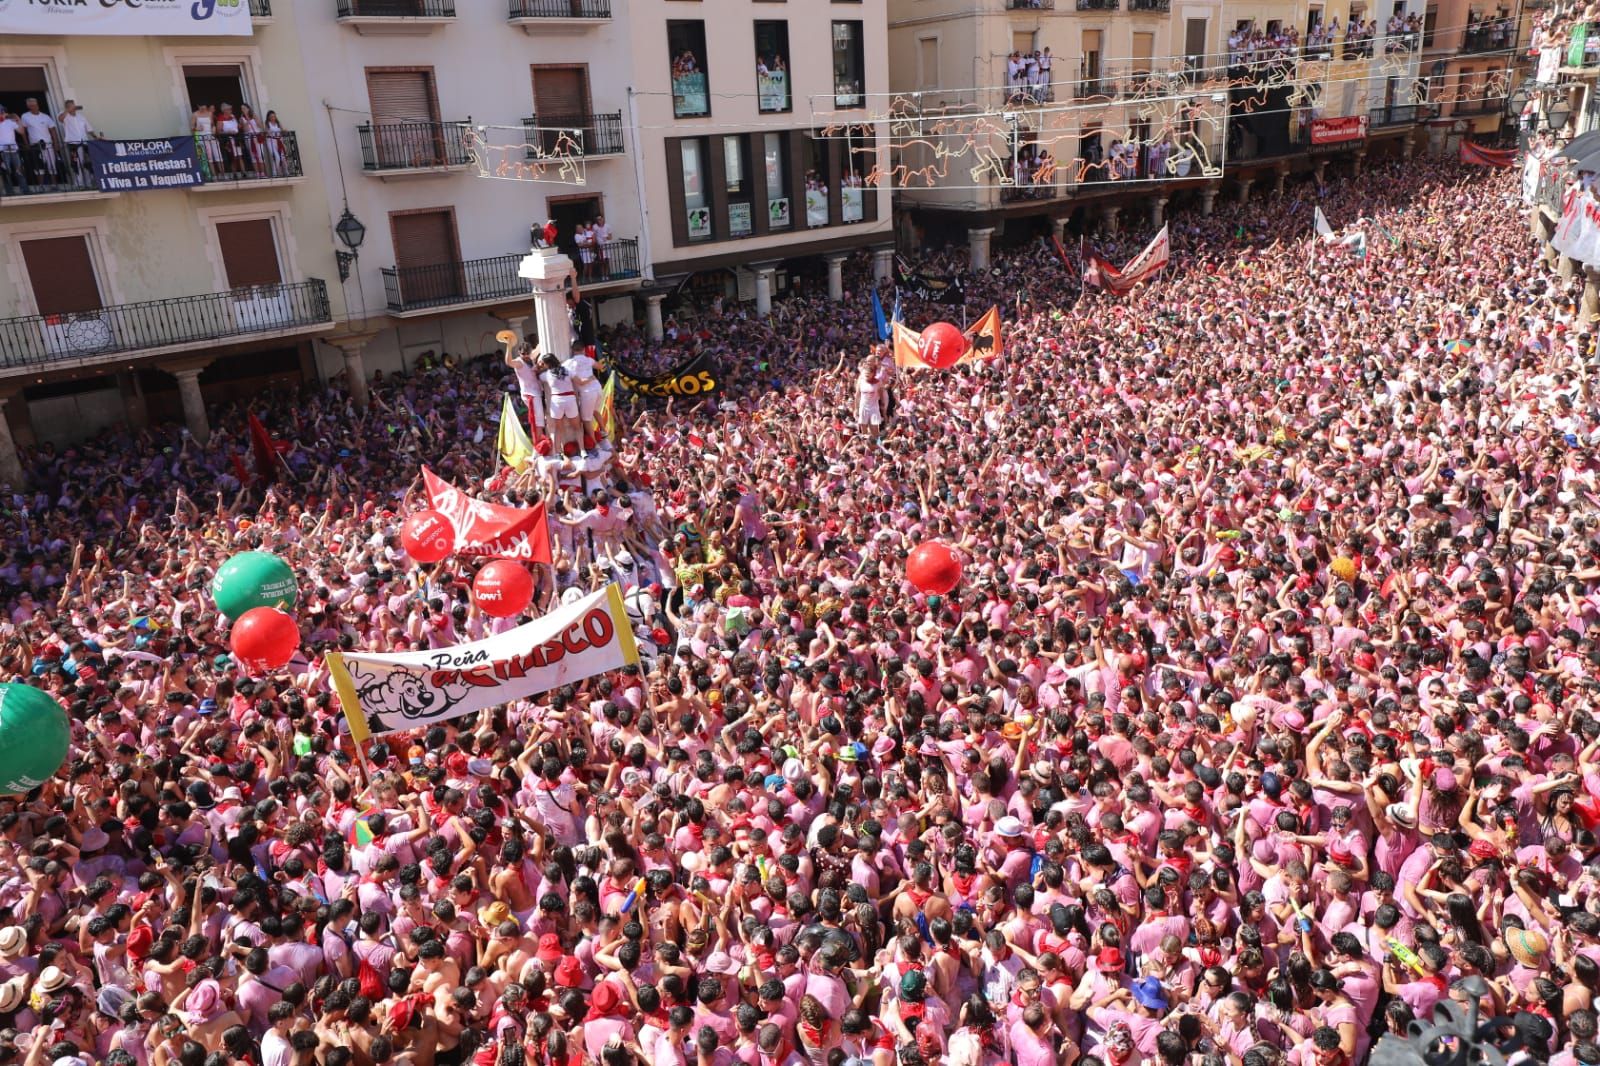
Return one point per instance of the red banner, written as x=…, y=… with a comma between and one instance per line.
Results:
x=1147, y=264
x=1334, y=130
x=490, y=529
x=1478, y=155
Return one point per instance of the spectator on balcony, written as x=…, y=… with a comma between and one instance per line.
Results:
x=202, y=124
x=229, y=134
x=277, y=159
x=584, y=238
x=11, y=167
x=255, y=149
x=75, y=136
x=43, y=161
x=602, y=240
x=1046, y=62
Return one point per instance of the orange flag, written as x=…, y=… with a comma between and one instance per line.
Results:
x=983, y=339
x=907, y=342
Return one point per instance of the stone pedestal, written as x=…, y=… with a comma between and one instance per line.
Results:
x=10, y=462
x=549, y=271
x=836, y=278
x=978, y=247
x=194, y=405
x=355, y=369
x=882, y=265
x=652, y=316
x=1158, y=212
x=764, y=277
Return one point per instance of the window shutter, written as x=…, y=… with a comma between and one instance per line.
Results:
x=400, y=95
x=62, y=274
x=424, y=256
x=249, y=253
x=560, y=93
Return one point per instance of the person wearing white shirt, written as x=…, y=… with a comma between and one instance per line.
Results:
x=75, y=134
x=524, y=362
x=580, y=369
x=41, y=130
x=11, y=167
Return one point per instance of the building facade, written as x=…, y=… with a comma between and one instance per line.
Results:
x=131, y=304
x=1076, y=111
x=452, y=132
x=755, y=128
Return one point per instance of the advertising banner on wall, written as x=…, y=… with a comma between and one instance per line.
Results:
x=148, y=18
x=132, y=166
x=1335, y=130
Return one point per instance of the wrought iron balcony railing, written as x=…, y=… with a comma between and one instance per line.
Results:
x=413, y=145
x=585, y=135
x=39, y=340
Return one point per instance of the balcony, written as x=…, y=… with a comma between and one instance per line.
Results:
x=1030, y=5
x=159, y=326
x=235, y=161
x=559, y=16
x=407, y=18
x=1488, y=36
x=1395, y=115
x=1097, y=5
x=1016, y=194
x=413, y=149
x=560, y=136
x=260, y=11
x=72, y=179
x=1156, y=7
x=416, y=290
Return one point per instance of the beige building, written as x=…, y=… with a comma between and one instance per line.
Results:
x=452, y=131
x=755, y=132
x=130, y=305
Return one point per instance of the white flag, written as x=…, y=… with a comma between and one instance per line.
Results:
x=385, y=693
x=1324, y=230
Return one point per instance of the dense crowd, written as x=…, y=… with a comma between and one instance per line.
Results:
x=1262, y=722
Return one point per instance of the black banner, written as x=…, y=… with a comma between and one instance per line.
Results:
x=935, y=288
x=696, y=377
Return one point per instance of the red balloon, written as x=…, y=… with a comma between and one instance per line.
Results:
x=264, y=638
x=942, y=346
x=934, y=568
x=427, y=536
x=502, y=588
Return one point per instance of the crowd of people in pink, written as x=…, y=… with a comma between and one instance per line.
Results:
x=1263, y=721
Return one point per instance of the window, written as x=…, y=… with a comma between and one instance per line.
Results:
x=214, y=85
x=1194, y=43
x=849, y=65
x=560, y=106
x=249, y=253
x=817, y=186
x=1430, y=21
x=686, y=46
x=737, y=181
x=426, y=256
x=772, y=66
x=696, y=196
x=780, y=214
x=1022, y=40
x=860, y=147
x=1144, y=46
x=20, y=84
x=405, y=117
x=927, y=62
x=62, y=275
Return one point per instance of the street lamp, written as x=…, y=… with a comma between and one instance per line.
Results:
x=1556, y=115
x=1516, y=101
x=351, y=233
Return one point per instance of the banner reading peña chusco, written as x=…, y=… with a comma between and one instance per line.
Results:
x=405, y=690
x=695, y=377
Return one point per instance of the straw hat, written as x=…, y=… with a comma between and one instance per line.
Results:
x=1527, y=946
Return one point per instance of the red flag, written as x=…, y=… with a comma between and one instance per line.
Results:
x=490, y=529
x=264, y=449
x=1477, y=155
x=239, y=469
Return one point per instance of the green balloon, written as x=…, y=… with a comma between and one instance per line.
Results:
x=33, y=738
x=254, y=579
